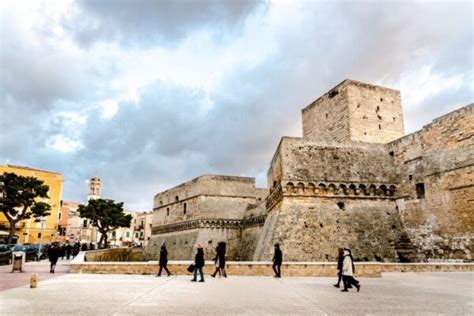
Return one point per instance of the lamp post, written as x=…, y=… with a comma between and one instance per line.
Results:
x=42, y=220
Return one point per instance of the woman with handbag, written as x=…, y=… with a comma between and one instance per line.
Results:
x=198, y=263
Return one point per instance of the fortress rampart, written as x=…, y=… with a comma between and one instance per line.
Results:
x=353, y=180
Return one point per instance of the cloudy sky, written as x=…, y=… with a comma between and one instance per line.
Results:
x=147, y=94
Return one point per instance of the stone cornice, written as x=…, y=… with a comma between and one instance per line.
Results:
x=209, y=223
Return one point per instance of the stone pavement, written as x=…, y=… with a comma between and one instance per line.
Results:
x=10, y=280
x=393, y=294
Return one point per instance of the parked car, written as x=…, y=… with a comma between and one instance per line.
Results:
x=31, y=253
x=42, y=251
x=5, y=254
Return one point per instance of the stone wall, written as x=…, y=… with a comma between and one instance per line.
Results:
x=311, y=228
x=181, y=244
x=114, y=255
x=437, y=185
x=298, y=159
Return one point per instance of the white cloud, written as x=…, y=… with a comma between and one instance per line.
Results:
x=64, y=144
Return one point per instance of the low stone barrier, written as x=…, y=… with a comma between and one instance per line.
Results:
x=249, y=268
x=115, y=254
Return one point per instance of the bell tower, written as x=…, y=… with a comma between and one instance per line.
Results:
x=94, y=189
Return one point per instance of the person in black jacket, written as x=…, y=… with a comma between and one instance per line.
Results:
x=68, y=250
x=198, y=263
x=216, y=262
x=163, y=262
x=220, y=260
x=54, y=252
x=277, y=261
x=340, y=259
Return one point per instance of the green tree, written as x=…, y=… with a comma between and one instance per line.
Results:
x=106, y=215
x=21, y=199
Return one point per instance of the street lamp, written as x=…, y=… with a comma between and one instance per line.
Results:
x=41, y=220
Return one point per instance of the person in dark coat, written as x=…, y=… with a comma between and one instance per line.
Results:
x=68, y=250
x=216, y=263
x=163, y=261
x=198, y=263
x=76, y=249
x=348, y=271
x=277, y=261
x=54, y=252
x=63, y=251
x=219, y=260
x=91, y=246
x=340, y=259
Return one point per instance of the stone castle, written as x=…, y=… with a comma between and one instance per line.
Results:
x=353, y=180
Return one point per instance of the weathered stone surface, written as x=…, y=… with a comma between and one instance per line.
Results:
x=353, y=180
x=321, y=269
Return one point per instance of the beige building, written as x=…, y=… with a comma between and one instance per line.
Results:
x=142, y=225
x=79, y=229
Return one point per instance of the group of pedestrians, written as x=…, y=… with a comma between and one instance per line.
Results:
x=345, y=265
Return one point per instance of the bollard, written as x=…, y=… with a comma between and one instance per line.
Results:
x=34, y=280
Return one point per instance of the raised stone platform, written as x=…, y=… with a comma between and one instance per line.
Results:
x=251, y=268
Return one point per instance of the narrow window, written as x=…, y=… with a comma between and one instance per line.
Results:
x=410, y=177
x=341, y=205
x=381, y=99
x=84, y=224
x=380, y=126
x=167, y=211
x=327, y=115
x=39, y=235
x=176, y=198
x=377, y=109
x=420, y=190
x=184, y=208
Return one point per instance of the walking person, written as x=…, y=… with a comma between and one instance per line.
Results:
x=54, y=252
x=220, y=260
x=163, y=261
x=216, y=262
x=348, y=271
x=63, y=251
x=277, y=261
x=68, y=250
x=198, y=263
x=340, y=259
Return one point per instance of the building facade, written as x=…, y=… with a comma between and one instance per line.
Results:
x=353, y=180
x=43, y=230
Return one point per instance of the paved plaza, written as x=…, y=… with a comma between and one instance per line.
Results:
x=393, y=294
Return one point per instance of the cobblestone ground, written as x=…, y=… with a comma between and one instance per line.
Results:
x=393, y=294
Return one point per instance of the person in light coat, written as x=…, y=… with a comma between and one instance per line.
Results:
x=348, y=271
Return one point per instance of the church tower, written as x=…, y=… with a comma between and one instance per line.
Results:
x=94, y=189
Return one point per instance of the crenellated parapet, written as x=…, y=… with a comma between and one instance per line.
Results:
x=330, y=190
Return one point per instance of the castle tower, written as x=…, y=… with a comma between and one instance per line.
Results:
x=94, y=189
x=355, y=111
